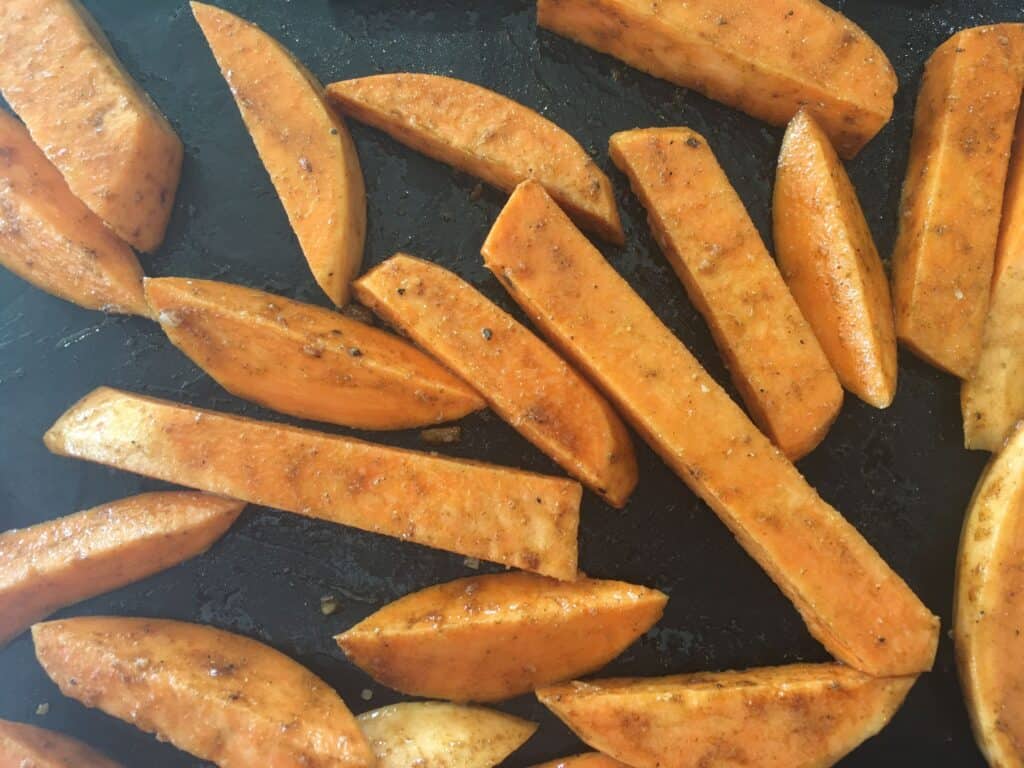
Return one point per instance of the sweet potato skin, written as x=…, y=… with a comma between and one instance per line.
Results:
x=585, y=760
x=306, y=361
x=488, y=638
x=525, y=382
x=953, y=194
x=703, y=229
x=304, y=145
x=516, y=518
x=64, y=561
x=828, y=258
x=746, y=55
x=860, y=610
x=219, y=696
x=487, y=135
x=25, y=746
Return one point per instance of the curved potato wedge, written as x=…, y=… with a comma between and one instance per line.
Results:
x=828, y=258
x=64, y=561
x=488, y=638
x=487, y=135
x=306, y=361
x=524, y=380
x=219, y=696
x=25, y=746
x=439, y=735
x=799, y=716
x=305, y=146
x=585, y=760
x=49, y=238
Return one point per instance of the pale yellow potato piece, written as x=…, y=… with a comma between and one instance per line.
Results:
x=25, y=746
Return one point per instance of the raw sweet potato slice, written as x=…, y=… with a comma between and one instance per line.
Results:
x=799, y=716
x=118, y=154
x=860, y=610
x=768, y=58
x=828, y=257
x=506, y=515
x=219, y=696
x=525, y=382
x=304, y=360
x=304, y=145
x=486, y=134
x=953, y=194
x=25, y=746
x=586, y=760
x=703, y=228
x=488, y=638
x=63, y=561
x=49, y=238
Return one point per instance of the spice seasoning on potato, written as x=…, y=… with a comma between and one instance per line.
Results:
x=26, y=746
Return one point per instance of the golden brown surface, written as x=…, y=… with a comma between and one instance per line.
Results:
x=585, y=760
x=25, y=746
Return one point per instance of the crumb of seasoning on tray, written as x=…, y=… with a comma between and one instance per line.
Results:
x=472, y=562
x=477, y=192
x=366, y=695
x=329, y=605
x=43, y=709
x=441, y=435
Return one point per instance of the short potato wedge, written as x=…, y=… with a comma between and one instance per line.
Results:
x=487, y=135
x=585, y=760
x=800, y=716
x=57, y=563
x=304, y=145
x=219, y=696
x=439, y=735
x=25, y=746
x=524, y=381
x=487, y=638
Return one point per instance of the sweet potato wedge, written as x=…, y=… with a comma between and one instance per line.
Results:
x=506, y=515
x=829, y=260
x=219, y=696
x=487, y=638
x=703, y=228
x=306, y=361
x=768, y=58
x=585, y=760
x=54, y=564
x=304, y=145
x=852, y=602
x=799, y=716
x=523, y=380
x=953, y=194
x=25, y=746
x=117, y=152
x=49, y=238
x=487, y=135
x=439, y=735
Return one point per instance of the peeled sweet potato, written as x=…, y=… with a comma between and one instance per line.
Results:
x=488, y=638
x=525, y=382
x=512, y=517
x=859, y=609
x=485, y=134
x=304, y=145
x=219, y=696
x=779, y=368
x=306, y=361
x=25, y=746
x=586, y=760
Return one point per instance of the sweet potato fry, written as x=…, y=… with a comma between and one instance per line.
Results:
x=768, y=58
x=525, y=382
x=118, y=154
x=25, y=746
x=800, y=716
x=586, y=760
x=54, y=564
x=486, y=134
x=828, y=257
x=953, y=194
x=488, y=638
x=219, y=696
x=512, y=517
x=779, y=368
x=860, y=610
x=304, y=360
x=304, y=145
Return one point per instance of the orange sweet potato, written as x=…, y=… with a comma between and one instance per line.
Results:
x=304, y=145
x=703, y=228
x=485, y=134
x=25, y=746
x=586, y=760
x=488, y=638
x=860, y=610
x=220, y=696
x=525, y=382
x=512, y=517
x=953, y=194
x=828, y=257
x=304, y=360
